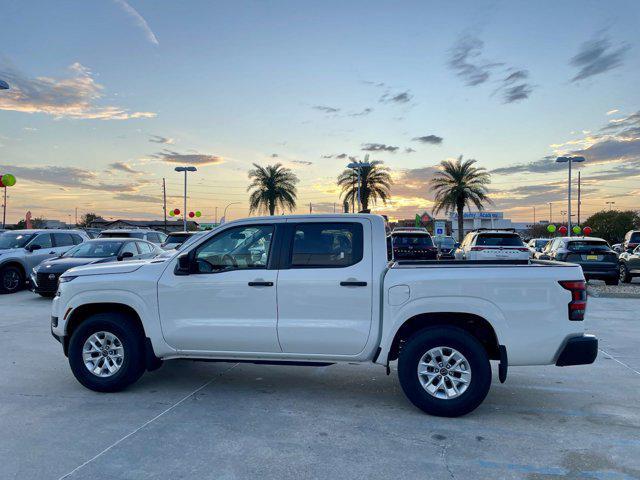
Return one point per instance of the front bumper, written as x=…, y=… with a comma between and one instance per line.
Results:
x=581, y=350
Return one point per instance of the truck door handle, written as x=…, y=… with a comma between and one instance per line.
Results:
x=52, y=251
x=353, y=284
x=261, y=284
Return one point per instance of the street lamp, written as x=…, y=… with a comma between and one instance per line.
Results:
x=185, y=170
x=610, y=203
x=224, y=215
x=357, y=166
x=569, y=160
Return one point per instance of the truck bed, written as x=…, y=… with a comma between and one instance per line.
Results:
x=477, y=263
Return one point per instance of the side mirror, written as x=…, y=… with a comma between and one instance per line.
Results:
x=124, y=255
x=183, y=267
x=31, y=248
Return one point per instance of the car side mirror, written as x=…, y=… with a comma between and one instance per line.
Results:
x=31, y=248
x=124, y=255
x=183, y=266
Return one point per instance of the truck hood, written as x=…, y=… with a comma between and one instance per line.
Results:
x=106, y=268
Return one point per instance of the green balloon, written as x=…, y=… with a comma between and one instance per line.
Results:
x=576, y=229
x=551, y=228
x=198, y=213
x=8, y=180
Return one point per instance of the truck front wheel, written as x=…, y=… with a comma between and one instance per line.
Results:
x=106, y=352
x=444, y=371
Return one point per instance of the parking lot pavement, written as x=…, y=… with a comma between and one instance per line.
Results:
x=224, y=421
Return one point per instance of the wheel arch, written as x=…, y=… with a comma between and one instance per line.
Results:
x=474, y=324
x=15, y=263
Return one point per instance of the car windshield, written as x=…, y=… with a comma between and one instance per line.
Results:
x=444, y=242
x=95, y=250
x=500, y=240
x=407, y=239
x=14, y=240
x=541, y=243
x=177, y=237
x=588, y=246
x=635, y=237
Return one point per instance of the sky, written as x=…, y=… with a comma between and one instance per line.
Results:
x=107, y=97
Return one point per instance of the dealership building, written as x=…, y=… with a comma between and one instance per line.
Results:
x=475, y=220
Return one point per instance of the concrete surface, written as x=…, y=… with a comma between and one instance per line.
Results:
x=219, y=421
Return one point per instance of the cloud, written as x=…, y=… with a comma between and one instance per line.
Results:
x=413, y=182
x=402, y=97
x=611, y=112
x=124, y=167
x=515, y=87
x=159, y=139
x=274, y=155
x=139, y=20
x=374, y=84
x=138, y=197
x=409, y=150
x=378, y=147
x=71, y=97
x=326, y=109
x=432, y=139
x=597, y=56
x=71, y=177
x=302, y=162
x=465, y=61
x=187, y=158
x=362, y=113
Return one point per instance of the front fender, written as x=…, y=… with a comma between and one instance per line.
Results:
x=398, y=315
x=144, y=303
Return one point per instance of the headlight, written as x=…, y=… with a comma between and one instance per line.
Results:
x=33, y=270
x=67, y=278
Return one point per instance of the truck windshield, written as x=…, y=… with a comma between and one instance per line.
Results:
x=500, y=240
x=588, y=246
x=14, y=240
x=407, y=239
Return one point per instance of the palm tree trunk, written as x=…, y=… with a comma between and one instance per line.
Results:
x=272, y=208
x=460, y=209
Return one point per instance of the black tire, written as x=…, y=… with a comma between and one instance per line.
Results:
x=418, y=345
x=611, y=281
x=132, y=340
x=8, y=277
x=625, y=277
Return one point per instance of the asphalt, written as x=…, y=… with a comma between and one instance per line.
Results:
x=239, y=421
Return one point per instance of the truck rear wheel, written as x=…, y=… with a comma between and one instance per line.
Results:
x=106, y=352
x=444, y=371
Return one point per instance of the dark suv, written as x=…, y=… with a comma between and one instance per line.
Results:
x=594, y=255
x=412, y=245
x=631, y=241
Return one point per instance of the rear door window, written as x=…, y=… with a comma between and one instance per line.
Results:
x=63, y=239
x=587, y=246
x=408, y=239
x=326, y=245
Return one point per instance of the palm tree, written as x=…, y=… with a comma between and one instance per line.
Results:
x=375, y=184
x=273, y=186
x=459, y=184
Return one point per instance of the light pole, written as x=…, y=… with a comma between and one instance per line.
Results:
x=550, y=213
x=357, y=166
x=569, y=160
x=224, y=215
x=185, y=170
x=4, y=86
x=610, y=203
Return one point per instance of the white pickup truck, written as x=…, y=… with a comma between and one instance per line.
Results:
x=316, y=290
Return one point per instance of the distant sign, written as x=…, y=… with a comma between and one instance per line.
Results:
x=439, y=228
x=468, y=215
x=426, y=218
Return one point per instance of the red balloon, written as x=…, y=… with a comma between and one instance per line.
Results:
x=1, y=184
x=587, y=231
x=563, y=230
x=176, y=211
x=191, y=214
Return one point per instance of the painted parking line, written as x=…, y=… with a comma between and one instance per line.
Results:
x=130, y=434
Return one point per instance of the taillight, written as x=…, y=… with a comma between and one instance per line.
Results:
x=578, y=303
x=477, y=249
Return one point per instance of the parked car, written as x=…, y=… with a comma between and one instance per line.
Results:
x=617, y=247
x=629, y=265
x=446, y=247
x=484, y=244
x=21, y=250
x=631, y=240
x=412, y=245
x=175, y=239
x=141, y=233
x=44, y=277
x=536, y=245
x=594, y=255
x=315, y=290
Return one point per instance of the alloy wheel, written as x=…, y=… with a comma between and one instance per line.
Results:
x=103, y=354
x=444, y=373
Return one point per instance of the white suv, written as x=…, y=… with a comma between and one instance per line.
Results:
x=492, y=245
x=142, y=233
